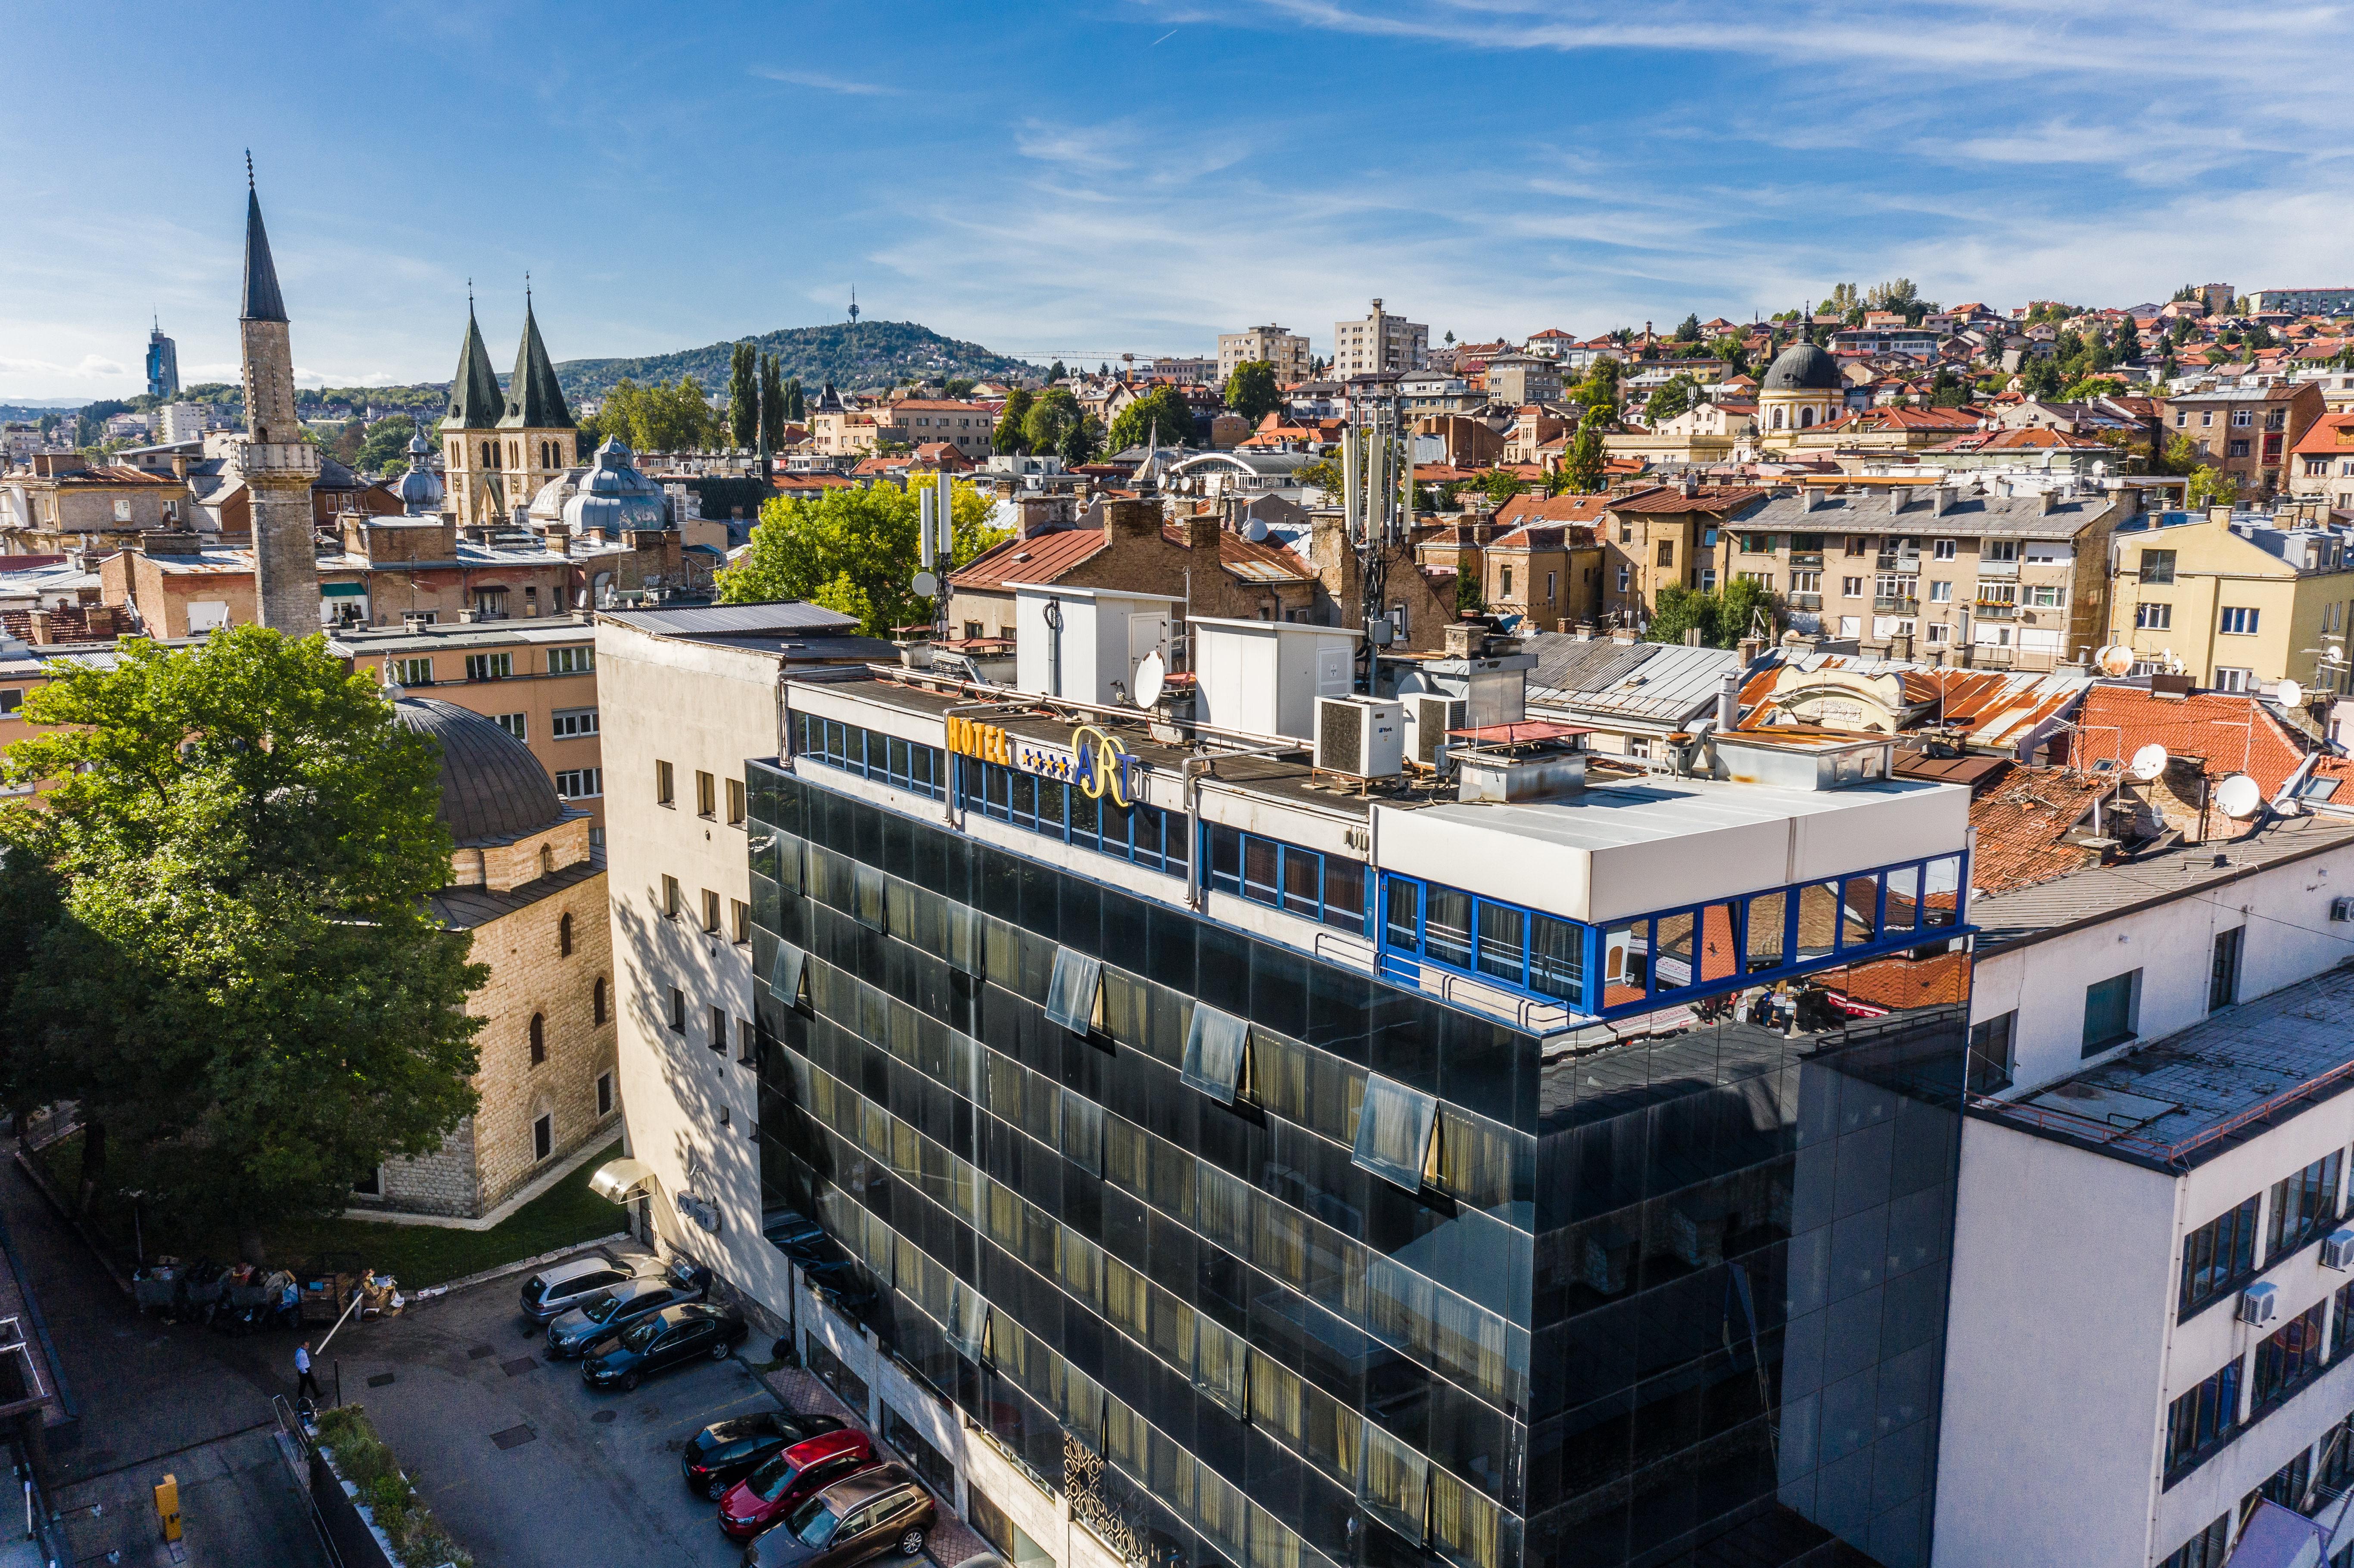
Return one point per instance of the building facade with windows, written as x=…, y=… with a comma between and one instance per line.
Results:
x=2246, y=432
x=529, y=888
x=1971, y=572
x=1279, y=346
x=1244, y=1172
x=1379, y=342
x=2238, y=601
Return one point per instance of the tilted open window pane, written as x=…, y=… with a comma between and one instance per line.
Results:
x=1218, y=1049
x=969, y=1322
x=1394, y=1132
x=1393, y=1483
x=1074, y=996
x=788, y=976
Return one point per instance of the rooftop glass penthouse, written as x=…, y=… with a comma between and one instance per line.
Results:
x=1296, y=1170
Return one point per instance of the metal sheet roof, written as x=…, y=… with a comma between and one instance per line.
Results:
x=735, y=619
x=1672, y=684
x=1997, y=708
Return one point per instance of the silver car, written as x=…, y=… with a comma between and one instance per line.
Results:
x=608, y=1312
x=561, y=1286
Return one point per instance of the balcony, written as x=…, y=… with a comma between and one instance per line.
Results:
x=1989, y=610
x=1807, y=558
x=1998, y=569
x=1907, y=562
x=1889, y=604
x=1805, y=601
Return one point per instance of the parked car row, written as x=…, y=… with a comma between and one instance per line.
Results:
x=802, y=1490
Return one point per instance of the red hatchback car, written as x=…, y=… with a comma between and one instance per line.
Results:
x=777, y=1487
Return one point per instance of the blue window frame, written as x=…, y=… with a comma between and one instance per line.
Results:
x=1050, y=808
x=885, y=758
x=1327, y=888
x=1684, y=953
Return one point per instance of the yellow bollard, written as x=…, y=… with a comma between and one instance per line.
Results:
x=167, y=1506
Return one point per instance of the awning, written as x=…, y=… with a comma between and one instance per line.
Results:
x=622, y=1179
x=342, y=590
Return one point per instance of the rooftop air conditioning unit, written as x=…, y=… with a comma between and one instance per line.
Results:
x=1359, y=737
x=2338, y=1249
x=2259, y=1304
x=1429, y=716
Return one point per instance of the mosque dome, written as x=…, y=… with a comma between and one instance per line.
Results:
x=1801, y=367
x=494, y=790
x=420, y=490
x=614, y=495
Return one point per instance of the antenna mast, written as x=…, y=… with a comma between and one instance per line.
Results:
x=1374, y=515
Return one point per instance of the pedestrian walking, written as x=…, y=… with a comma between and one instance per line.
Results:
x=304, y=1382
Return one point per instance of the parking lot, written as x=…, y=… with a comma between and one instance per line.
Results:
x=525, y=1465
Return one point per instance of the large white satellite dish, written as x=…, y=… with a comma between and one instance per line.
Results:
x=2239, y=797
x=2289, y=694
x=2149, y=762
x=1151, y=674
x=2116, y=660
x=1255, y=529
x=926, y=585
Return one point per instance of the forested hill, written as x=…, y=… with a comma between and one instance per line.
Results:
x=872, y=354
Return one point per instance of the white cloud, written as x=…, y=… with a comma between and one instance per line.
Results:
x=824, y=83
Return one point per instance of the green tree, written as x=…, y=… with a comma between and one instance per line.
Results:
x=1501, y=484
x=1009, y=435
x=658, y=418
x=1600, y=387
x=1082, y=442
x=1673, y=397
x=386, y=448
x=1324, y=473
x=1585, y=460
x=2209, y=486
x=1688, y=329
x=1252, y=392
x=744, y=395
x=1945, y=391
x=1056, y=372
x=1744, y=606
x=1469, y=600
x=2125, y=342
x=2040, y=377
x=959, y=387
x=796, y=401
x=229, y=959
x=1052, y=415
x=851, y=550
x=1677, y=610
x=774, y=409
x=1160, y=414
x=2092, y=387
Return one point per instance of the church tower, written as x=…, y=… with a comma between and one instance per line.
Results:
x=278, y=466
x=537, y=435
x=472, y=452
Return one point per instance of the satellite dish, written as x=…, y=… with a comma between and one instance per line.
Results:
x=2289, y=694
x=926, y=585
x=1255, y=529
x=2116, y=659
x=2239, y=797
x=2149, y=762
x=1151, y=674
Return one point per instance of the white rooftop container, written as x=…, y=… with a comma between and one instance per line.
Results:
x=1085, y=643
x=1263, y=677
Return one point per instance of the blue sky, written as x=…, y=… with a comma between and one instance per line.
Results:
x=1135, y=175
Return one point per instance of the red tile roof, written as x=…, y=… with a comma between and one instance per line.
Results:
x=1048, y=557
x=1671, y=499
x=2329, y=433
x=2023, y=820
x=2234, y=733
x=1523, y=510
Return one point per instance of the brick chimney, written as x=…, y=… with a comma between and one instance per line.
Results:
x=1131, y=519
x=1201, y=531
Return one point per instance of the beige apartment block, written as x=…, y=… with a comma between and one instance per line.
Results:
x=1279, y=345
x=1379, y=341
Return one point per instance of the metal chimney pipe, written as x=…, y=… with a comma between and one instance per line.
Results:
x=1728, y=703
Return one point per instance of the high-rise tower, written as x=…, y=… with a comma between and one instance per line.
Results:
x=162, y=364
x=278, y=465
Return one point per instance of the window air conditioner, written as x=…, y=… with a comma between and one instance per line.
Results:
x=2341, y=909
x=1359, y=737
x=2338, y=1249
x=2259, y=1304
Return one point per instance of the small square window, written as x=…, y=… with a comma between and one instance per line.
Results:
x=1217, y=1054
x=789, y=975
x=1075, y=995
x=707, y=796
x=710, y=910
x=1396, y=1133
x=739, y=921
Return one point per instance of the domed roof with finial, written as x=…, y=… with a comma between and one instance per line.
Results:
x=420, y=488
x=614, y=494
x=494, y=790
x=1801, y=367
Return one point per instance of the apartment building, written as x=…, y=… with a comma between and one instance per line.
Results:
x=2238, y=601
x=62, y=502
x=918, y=421
x=1973, y=573
x=1379, y=342
x=1246, y=1172
x=2245, y=431
x=1515, y=379
x=2321, y=462
x=536, y=679
x=1279, y=345
x=1549, y=572
x=1661, y=536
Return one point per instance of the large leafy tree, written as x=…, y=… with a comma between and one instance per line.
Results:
x=1252, y=391
x=1011, y=434
x=743, y=394
x=1600, y=387
x=658, y=419
x=1583, y=466
x=385, y=450
x=773, y=410
x=1162, y=414
x=852, y=550
x=218, y=930
x=1673, y=397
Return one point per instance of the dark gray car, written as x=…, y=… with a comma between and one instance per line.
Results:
x=608, y=1312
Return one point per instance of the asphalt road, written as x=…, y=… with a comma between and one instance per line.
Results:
x=157, y=1399
x=582, y=1477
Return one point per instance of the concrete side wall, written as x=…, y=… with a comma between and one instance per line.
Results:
x=2055, y=1355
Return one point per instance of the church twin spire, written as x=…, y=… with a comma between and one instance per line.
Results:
x=532, y=400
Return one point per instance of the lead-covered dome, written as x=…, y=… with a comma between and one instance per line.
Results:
x=494, y=790
x=420, y=490
x=614, y=495
x=1801, y=367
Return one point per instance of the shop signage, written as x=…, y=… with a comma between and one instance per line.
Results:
x=1097, y=765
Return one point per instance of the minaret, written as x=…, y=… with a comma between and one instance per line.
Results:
x=472, y=450
x=537, y=433
x=278, y=464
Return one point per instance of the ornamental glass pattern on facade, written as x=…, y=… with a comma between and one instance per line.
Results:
x=1278, y=1263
